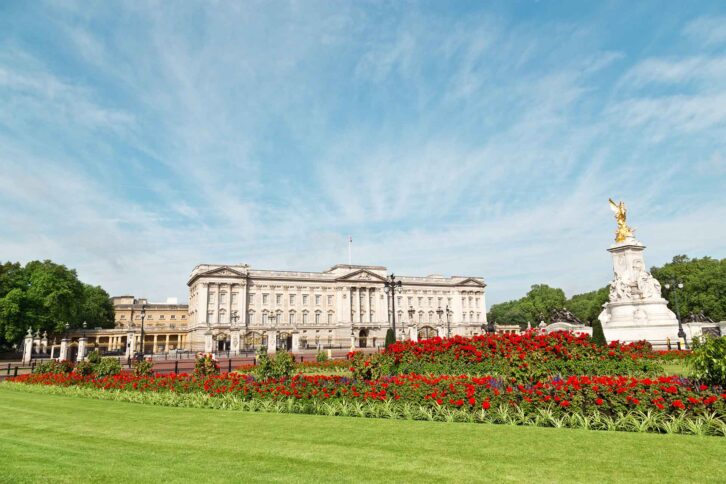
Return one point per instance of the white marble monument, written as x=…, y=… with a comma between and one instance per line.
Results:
x=636, y=311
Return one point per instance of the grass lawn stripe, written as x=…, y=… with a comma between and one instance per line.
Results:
x=69, y=439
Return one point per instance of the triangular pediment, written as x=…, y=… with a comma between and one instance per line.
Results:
x=224, y=271
x=362, y=275
x=471, y=282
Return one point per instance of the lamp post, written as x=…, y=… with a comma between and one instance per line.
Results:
x=391, y=287
x=143, y=316
x=67, y=328
x=84, y=329
x=439, y=313
x=411, y=313
x=676, y=285
x=449, y=313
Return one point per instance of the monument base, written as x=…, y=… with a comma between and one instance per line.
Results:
x=630, y=321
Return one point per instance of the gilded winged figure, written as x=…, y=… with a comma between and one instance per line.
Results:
x=624, y=231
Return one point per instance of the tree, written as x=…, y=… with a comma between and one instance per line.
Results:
x=45, y=296
x=704, y=285
x=587, y=306
x=598, y=335
x=535, y=306
x=390, y=337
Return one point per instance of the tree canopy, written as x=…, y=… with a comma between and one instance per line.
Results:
x=704, y=285
x=704, y=289
x=46, y=296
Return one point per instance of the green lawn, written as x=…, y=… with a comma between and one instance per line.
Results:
x=676, y=368
x=56, y=438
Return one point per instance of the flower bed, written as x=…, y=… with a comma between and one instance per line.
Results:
x=527, y=357
x=650, y=403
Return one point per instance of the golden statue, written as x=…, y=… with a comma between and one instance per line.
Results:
x=624, y=232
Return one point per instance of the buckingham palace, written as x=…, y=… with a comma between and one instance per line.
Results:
x=237, y=308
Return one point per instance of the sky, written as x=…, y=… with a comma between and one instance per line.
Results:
x=139, y=139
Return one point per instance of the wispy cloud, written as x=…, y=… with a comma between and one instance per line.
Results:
x=138, y=141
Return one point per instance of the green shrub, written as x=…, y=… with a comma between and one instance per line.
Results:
x=598, y=335
x=280, y=365
x=107, y=367
x=321, y=357
x=366, y=367
x=84, y=368
x=94, y=357
x=53, y=366
x=143, y=367
x=708, y=360
x=390, y=337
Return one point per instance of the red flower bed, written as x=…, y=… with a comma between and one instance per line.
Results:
x=575, y=394
x=526, y=357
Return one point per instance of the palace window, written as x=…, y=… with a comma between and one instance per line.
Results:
x=161, y=317
x=173, y=316
x=292, y=299
x=264, y=298
x=222, y=297
x=251, y=317
x=305, y=299
x=210, y=316
x=264, y=319
x=330, y=300
x=317, y=318
x=292, y=317
x=252, y=298
x=330, y=318
x=317, y=299
x=399, y=300
x=410, y=301
x=278, y=299
x=463, y=317
x=431, y=302
x=305, y=318
x=184, y=316
x=420, y=301
x=234, y=298
x=123, y=316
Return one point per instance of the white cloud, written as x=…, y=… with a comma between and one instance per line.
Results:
x=709, y=30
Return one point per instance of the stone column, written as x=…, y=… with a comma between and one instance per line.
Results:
x=44, y=343
x=208, y=342
x=166, y=344
x=272, y=341
x=153, y=347
x=63, y=350
x=295, y=341
x=203, y=305
x=28, y=348
x=81, y=349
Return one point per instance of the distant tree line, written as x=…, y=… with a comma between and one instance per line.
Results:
x=704, y=290
x=46, y=296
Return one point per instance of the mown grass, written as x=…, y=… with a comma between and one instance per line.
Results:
x=65, y=439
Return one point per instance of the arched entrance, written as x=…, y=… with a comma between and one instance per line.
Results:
x=223, y=342
x=284, y=341
x=253, y=340
x=427, y=332
x=363, y=338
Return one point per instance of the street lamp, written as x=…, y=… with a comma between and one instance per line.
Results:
x=449, y=313
x=84, y=329
x=439, y=313
x=143, y=316
x=411, y=313
x=391, y=287
x=67, y=328
x=675, y=285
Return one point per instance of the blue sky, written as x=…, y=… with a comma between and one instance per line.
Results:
x=139, y=139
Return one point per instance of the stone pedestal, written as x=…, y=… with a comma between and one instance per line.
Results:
x=272, y=342
x=235, y=341
x=81, y=349
x=130, y=345
x=208, y=342
x=63, y=350
x=44, y=343
x=295, y=342
x=28, y=348
x=412, y=333
x=636, y=311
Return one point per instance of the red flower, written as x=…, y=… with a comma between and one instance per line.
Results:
x=678, y=404
x=485, y=405
x=599, y=401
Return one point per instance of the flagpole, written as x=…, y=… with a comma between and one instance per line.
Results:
x=350, y=244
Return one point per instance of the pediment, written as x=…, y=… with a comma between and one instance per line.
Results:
x=471, y=282
x=223, y=271
x=362, y=275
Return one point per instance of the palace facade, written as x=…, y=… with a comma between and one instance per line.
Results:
x=237, y=308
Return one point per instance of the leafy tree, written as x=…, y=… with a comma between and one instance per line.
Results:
x=44, y=295
x=704, y=285
x=535, y=306
x=598, y=335
x=587, y=306
x=390, y=337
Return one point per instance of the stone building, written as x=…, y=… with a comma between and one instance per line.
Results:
x=237, y=308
